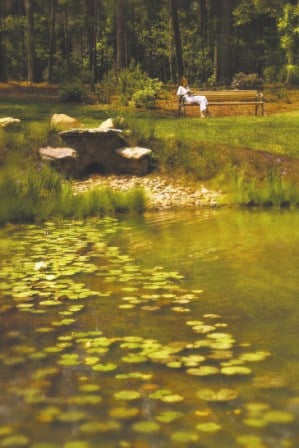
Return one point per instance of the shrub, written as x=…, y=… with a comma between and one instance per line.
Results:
x=106, y=88
x=133, y=80
x=73, y=92
x=143, y=98
x=292, y=75
x=243, y=81
x=271, y=74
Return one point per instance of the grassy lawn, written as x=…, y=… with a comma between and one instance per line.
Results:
x=277, y=133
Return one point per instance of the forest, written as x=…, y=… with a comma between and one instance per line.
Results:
x=209, y=41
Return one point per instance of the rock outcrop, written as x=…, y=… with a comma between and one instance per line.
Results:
x=95, y=150
x=9, y=122
x=62, y=121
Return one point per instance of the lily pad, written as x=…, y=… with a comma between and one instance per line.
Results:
x=236, y=370
x=71, y=416
x=169, y=416
x=100, y=427
x=146, y=427
x=208, y=427
x=275, y=416
x=15, y=441
x=221, y=395
x=184, y=437
x=173, y=398
x=127, y=395
x=104, y=367
x=203, y=371
x=124, y=413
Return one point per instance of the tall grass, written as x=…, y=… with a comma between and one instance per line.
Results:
x=37, y=193
x=274, y=191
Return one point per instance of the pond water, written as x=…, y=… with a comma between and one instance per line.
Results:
x=164, y=330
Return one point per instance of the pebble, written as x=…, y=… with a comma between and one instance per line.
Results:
x=161, y=193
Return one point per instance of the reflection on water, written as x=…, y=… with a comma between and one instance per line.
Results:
x=171, y=329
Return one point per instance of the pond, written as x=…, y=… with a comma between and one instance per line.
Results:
x=164, y=330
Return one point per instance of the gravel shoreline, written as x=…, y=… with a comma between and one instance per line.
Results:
x=161, y=192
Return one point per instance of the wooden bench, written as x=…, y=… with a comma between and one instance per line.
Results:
x=227, y=98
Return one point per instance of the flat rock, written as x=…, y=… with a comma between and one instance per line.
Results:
x=9, y=122
x=57, y=153
x=63, y=159
x=136, y=152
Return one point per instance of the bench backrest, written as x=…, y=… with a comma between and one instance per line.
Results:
x=231, y=95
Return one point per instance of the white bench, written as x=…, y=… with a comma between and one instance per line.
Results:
x=227, y=98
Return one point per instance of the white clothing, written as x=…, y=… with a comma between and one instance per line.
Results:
x=193, y=99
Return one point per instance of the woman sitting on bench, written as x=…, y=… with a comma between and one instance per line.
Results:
x=185, y=92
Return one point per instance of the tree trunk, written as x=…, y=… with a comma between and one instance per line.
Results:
x=223, y=46
x=203, y=22
x=30, y=41
x=3, y=59
x=121, y=56
x=51, y=40
x=173, y=11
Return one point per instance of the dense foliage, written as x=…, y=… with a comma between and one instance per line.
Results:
x=210, y=40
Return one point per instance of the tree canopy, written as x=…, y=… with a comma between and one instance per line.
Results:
x=207, y=40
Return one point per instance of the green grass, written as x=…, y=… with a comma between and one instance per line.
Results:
x=276, y=133
x=274, y=191
x=33, y=193
x=200, y=149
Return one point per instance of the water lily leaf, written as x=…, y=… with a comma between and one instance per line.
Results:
x=47, y=415
x=203, y=329
x=89, y=387
x=82, y=400
x=236, y=370
x=127, y=395
x=174, y=364
x=250, y=441
x=71, y=416
x=208, y=427
x=274, y=416
x=5, y=430
x=203, y=371
x=104, y=367
x=255, y=422
x=134, y=375
x=169, y=416
x=257, y=356
x=158, y=394
x=123, y=413
x=100, y=427
x=184, y=437
x=76, y=444
x=174, y=398
x=15, y=441
x=132, y=358
x=221, y=395
x=146, y=427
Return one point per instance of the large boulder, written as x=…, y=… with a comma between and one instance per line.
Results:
x=95, y=148
x=135, y=160
x=62, y=121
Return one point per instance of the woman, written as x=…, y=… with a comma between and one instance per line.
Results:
x=185, y=92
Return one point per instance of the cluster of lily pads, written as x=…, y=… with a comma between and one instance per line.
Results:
x=112, y=385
